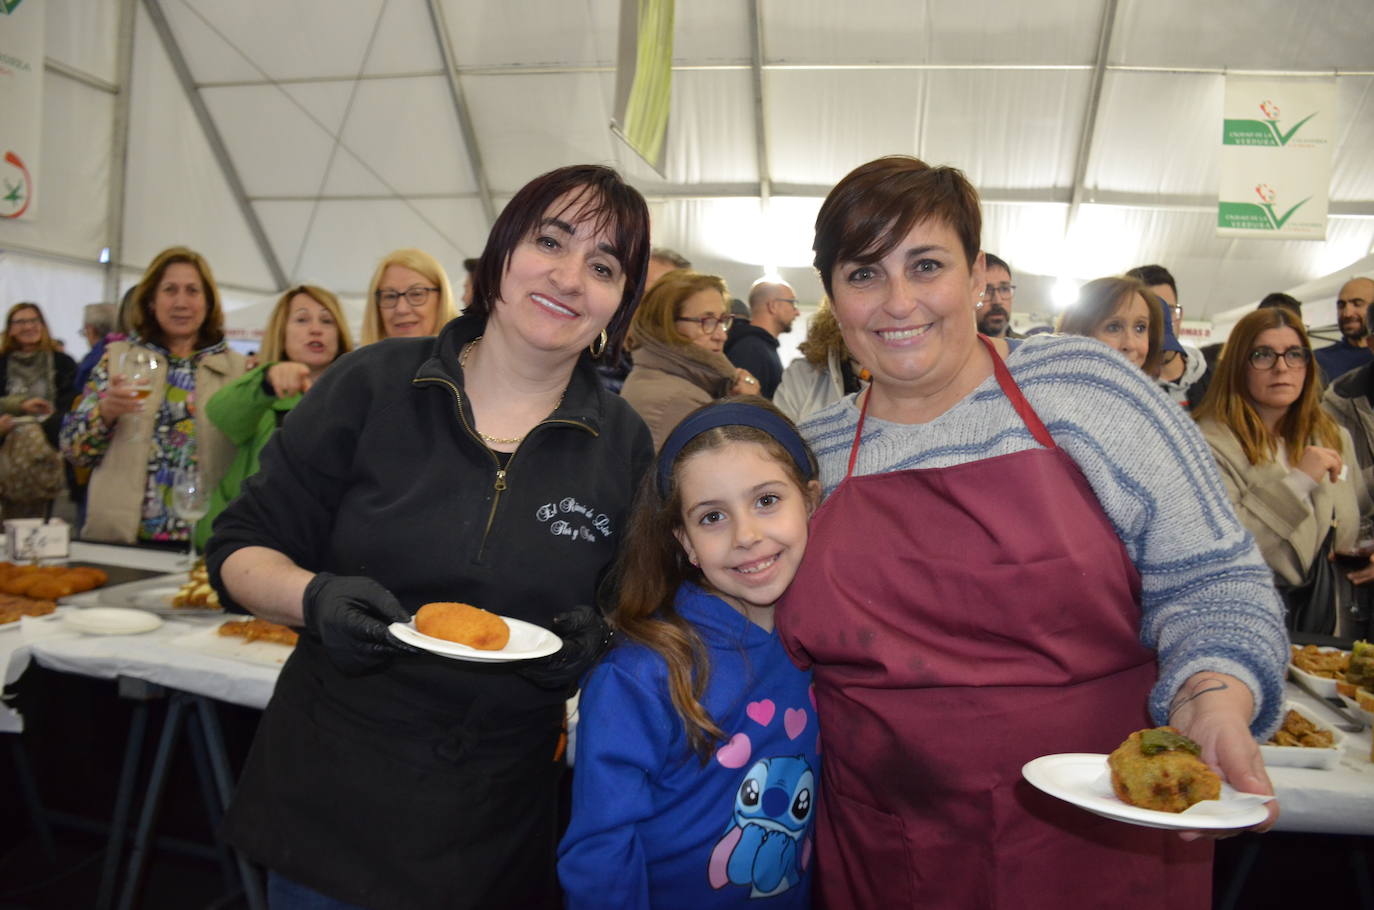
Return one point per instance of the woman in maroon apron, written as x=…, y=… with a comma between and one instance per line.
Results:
x=982, y=590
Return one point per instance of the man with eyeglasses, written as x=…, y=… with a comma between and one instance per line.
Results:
x=753, y=346
x=1352, y=317
x=994, y=306
x=1183, y=373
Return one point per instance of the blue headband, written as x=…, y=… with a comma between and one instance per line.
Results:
x=730, y=414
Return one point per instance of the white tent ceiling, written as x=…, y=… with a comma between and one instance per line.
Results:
x=299, y=140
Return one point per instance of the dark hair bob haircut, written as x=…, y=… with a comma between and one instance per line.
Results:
x=586, y=191
x=877, y=204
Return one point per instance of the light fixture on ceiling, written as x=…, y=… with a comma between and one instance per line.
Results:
x=1064, y=293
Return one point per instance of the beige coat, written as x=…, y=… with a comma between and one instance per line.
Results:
x=668, y=383
x=114, y=502
x=1288, y=528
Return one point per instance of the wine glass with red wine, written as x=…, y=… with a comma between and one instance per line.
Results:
x=1358, y=558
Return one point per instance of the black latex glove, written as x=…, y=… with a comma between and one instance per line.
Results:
x=586, y=636
x=350, y=613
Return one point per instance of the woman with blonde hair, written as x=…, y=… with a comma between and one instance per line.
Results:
x=1123, y=314
x=1283, y=460
x=678, y=342
x=409, y=297
x=825, y=372
x=305, y=334
x=136, y=434
x=37, y=381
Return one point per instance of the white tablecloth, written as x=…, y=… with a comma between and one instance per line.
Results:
x=1338, y=800
x=1335, y=801
x=155, y=656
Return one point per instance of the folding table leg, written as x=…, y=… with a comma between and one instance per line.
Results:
x=152, y=800
x=28, y=789
x=119, y=821
x=219, y=760
x=209, y=795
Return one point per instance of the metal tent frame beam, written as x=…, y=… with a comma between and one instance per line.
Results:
x=216, y=141
x=760, y=126
x=119, y=148
x=1085, y=138
x=460, y=109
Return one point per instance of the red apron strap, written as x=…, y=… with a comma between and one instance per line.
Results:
x=1009, y=388
x=858, y=431
x=1018, y=401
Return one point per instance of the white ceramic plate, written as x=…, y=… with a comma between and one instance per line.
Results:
x=1305, y=756
x=1082, y=778
x=527, y=641
x=1318, y=685
x=111, y=621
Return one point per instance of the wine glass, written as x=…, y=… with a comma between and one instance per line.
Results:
x=139, y=367
x=190, y=502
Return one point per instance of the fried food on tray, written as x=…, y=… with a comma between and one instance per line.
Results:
x=1161, y=769
x=196, y=593
x=463, y=623
x=1329, y=664
x=1298, y=730
x=12, y=607
x=48, y=582
x=260, y=630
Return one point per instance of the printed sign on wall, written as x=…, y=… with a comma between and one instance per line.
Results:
x=21, y=104
x=1276, y=158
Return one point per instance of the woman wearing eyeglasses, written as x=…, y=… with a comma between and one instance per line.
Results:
x=1282, y=457
x=678, y=342
x=409, y=297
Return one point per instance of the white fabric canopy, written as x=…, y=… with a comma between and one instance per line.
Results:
x=333, y=132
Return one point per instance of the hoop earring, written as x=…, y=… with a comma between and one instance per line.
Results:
x=598, y=346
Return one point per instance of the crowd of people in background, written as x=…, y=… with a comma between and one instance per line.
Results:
x=584, y=376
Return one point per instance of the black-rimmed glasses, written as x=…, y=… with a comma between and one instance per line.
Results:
x=1267, y=358
x=415, y=296
x=709, y=323
x=1005, y=289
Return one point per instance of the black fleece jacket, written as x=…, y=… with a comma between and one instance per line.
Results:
x=378, y=472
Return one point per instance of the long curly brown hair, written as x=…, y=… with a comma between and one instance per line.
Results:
x=653, y=566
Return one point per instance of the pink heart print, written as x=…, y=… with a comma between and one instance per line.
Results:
x=761, y=712
x=735, y=753
x=794, y=722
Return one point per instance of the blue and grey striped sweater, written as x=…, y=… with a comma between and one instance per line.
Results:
x=1208, y=600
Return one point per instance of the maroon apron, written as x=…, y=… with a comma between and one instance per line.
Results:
x=961, y=621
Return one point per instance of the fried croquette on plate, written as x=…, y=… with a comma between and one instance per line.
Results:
x=1161, y=769
x=463, y=623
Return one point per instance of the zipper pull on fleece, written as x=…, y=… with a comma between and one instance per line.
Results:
x=500, y=480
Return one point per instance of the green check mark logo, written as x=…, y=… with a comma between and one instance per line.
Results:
x=1278, y=221
x=1282, y=138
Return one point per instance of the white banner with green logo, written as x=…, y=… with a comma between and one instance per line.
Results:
x=1276, y=157
x=21, y=104
x=644, y=77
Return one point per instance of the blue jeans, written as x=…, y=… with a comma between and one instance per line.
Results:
x=285, y=894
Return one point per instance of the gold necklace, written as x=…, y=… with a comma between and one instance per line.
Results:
x=498, y=440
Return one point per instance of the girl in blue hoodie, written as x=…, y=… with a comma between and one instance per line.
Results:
x=697, y=762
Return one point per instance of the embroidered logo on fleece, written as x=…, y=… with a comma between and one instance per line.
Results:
x=573, y=520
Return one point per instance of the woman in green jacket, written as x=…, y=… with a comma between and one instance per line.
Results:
x=307, y=332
